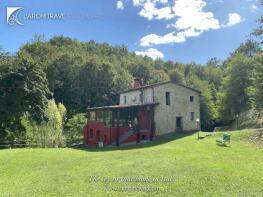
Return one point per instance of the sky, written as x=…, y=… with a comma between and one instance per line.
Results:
x=178, y=30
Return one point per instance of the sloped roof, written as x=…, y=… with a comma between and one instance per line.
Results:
x=123, y=106
x=158, y=84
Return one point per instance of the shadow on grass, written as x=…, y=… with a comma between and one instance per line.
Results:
x=158, y=141
x=203, y=137
x=224, y=145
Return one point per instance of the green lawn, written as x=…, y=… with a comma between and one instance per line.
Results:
x=198, y=168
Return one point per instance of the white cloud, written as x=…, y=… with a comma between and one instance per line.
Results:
x=191, y=21
x=191, y=13
x=192, y=17
x=150, y=12
x=153, y=39
x=151, y=52
x=138, y=3
x=120, y=5
x=233, y=19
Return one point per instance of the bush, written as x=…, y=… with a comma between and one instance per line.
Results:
x=74, y=128
x=49, y=133
x=47, y=136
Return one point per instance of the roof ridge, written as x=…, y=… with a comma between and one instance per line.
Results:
x=158, y=83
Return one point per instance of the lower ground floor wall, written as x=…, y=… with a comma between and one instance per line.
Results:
x=97, y=132
x=166, y=123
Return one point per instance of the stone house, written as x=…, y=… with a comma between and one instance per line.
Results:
x=143, y=113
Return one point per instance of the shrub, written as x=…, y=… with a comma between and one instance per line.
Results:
x=49, y=133
x=74, y=128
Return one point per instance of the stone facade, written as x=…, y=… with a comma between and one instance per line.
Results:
x=180, y=113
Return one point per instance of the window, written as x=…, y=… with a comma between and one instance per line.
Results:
x=93, y=115
x=191, y=98
x=167, y=98
x=91, y=133
x=192, y=115
x=125, y=99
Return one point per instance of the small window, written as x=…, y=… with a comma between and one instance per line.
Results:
x=192, y=115
x=91, y=133
x=167, y=98
x=125, y=99
x=191, y=98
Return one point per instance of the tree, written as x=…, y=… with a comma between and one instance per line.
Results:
x=74, y=128
x=63, y=112
x=142, y=70
x=158, y=76
x=250, y=49
x=177, y=76
x=28, y=133
x=234, y=97
x=24, y=89
x=49, y=133
x=258, y=32
x=208, y=110
x=256, y=90
x=93, y=85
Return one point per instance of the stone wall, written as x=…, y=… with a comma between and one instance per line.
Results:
x=133, y=97
x=165, y=115
x=180, y=106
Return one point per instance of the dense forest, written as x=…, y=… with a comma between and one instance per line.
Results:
x=46, y=87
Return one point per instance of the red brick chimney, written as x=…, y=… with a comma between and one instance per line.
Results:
x=136, y=83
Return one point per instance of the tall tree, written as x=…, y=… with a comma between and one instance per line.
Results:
x=23, y=89
x=258, y=32
x=256, y=90
x=234, y=98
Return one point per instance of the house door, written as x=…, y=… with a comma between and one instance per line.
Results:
x=98, y=136
x=179, y=125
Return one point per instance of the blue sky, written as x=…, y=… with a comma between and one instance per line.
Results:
x=178, y=30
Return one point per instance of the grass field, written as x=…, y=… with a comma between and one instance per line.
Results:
x=195, y=168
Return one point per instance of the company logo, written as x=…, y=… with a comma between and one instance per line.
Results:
x=16, y=16
x=12, y=15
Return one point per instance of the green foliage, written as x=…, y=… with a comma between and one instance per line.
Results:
x=81, y=74
x=258, y=32
x=63, y=112
x=28, y=128
x=234, y=98
x=74, y=128
x=208, y=110
x=159, y=76
x=249, y=49
x=49, y=133
x=94, y=85
x=256, y=90
x=177, y=76
x=24, y=89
